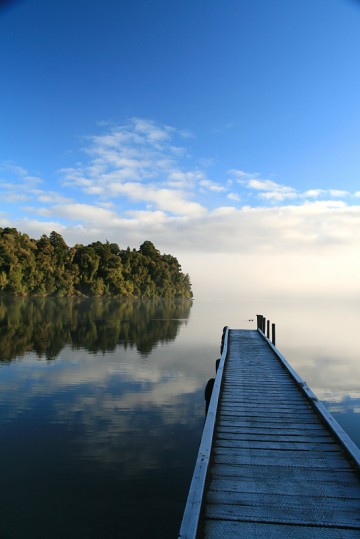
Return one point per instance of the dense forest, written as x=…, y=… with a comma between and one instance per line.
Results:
x=49, y=267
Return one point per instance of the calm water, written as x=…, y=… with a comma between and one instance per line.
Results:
x=102, y=404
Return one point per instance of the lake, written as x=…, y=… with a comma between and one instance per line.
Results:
x=102, y=403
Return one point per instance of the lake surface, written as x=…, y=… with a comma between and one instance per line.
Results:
x=102, y=403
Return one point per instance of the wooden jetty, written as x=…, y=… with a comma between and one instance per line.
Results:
x=273, y=462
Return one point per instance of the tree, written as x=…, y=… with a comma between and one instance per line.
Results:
x=49, y=267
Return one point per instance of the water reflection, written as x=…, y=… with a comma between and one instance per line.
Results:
x=102, y=441
x=98, y=442
x=46, y=325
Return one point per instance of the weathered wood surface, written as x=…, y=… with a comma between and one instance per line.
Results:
x=280, y=465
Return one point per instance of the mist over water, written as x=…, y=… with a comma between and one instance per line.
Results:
x=102, y=403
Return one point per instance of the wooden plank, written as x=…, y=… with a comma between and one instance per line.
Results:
x=309, y=445
x=282, y=398
x=233, y=402
x=276, y=406
x=259, y=423
x=305, y=515
x=220, y=529
x=297, y=459
x=300, y=501
x=274, y=436
x=341, y=485
x=267, y=414
x=286, y=514
x=267, y=421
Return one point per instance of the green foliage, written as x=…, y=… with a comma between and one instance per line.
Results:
x=48, y=267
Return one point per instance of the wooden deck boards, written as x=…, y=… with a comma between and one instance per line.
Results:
x=276, y=468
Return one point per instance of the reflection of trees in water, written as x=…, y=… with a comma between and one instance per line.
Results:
x=46, y=325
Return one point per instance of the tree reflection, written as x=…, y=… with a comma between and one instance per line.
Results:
x=46, y=325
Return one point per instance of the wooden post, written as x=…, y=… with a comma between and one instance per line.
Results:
x=259, y=318
x=263, y=324
x=268, y=329
x=273, y=340
x=222, y=339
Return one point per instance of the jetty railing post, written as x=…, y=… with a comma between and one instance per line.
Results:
x=268, y=329
x=259, y=318
x=273, y=340
x=263, y=324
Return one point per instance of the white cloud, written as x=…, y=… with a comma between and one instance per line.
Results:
x=242, y=175
x=316, y=227
x=233, y=196
x=36, y=228
x=145, y=218
x=223, y=211
x=83, y=212
x=13, y=197
x=16, y=184
x=266, y=189
x=212, y=186
x=181, y=179
x=173, y=201
x=338, y=193
x=51, y=197
x=313, y=193
x=325, y=193
x=277, y=192
x=327, y=204
x=271, y=190
x=138, y=161
x=18, y=174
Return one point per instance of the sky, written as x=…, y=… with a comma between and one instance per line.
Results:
x=225, y=132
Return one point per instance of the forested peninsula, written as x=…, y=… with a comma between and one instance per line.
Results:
x=49, y=267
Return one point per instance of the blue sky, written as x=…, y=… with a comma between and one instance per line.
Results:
x=228, y=133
